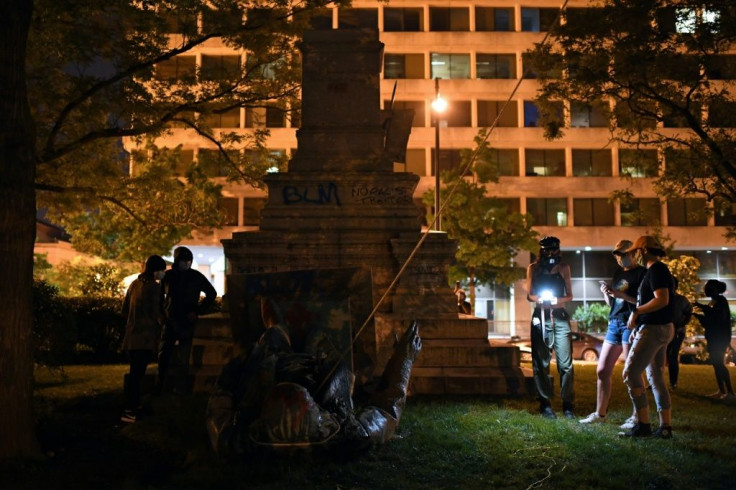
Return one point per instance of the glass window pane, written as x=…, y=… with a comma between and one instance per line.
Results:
x=545, y=162
x=229, y=209
x=638, y=163
x=508, y=162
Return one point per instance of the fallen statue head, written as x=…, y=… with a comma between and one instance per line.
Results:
x=272, y=397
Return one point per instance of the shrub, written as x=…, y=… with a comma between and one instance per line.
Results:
x=100, y=329
x=591, y=317
x=54, y=329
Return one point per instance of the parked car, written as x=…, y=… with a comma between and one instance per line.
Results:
x=694, y=351
x=584, y=347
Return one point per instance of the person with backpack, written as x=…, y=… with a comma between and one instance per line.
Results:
x=682, y=311
x=716, y=320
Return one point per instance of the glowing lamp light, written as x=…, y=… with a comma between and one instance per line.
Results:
x=439, y=105
x=546, y=295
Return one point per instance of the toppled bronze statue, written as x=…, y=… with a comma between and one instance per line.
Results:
x=274, y=397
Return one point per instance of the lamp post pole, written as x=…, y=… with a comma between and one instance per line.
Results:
x=438, y=106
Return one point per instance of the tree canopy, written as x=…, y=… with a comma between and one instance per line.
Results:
x=99, y=72
x=489, y=234
x=662, y=73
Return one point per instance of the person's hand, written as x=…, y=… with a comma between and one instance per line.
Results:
x=631, y=324
x=606, y=289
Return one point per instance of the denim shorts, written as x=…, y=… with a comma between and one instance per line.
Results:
x=617, y=333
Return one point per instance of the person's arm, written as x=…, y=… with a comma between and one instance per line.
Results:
x=565, y=273
x=529, y=274
x=660, y=300
x=210, y=294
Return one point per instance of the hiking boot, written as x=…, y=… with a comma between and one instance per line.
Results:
x=629, y=423
x=663, y=432
x=593, y=418
x=547, y=413
x=128, y=417
x=639, y=430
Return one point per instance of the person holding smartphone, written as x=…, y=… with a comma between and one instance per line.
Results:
x=620, y=296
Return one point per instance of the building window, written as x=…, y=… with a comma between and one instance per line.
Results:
x=220, y=67
x=489, y=110
x=641, y=212
x=638, y=163
x=403, y=66
x=416, y=105
x=548, y=212
x=722, y=114
x=229, y=209
x=507, y=161
x=545, y=163
x=721, y=67
x=591, y=163
x=227, y=119
x=494, y=19
x=186, y=158
x=537, y=19
x=490, y=66
x=213, y=164
x=352, y=18
x=532, y=113
x=593, y=212
x=530, y=72
x=458, y=114
x=252, y=208
x=176, y=68
x=268, y=117
x=321, y=19
x=448, y=66
x=587, y=115
x=449, y=159
x=724, y=213
x=510, y=204
x=402, y=19
x=449, y=19
x=686, y=212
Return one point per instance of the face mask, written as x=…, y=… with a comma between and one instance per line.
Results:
x=625, y=260
x=184, y=265
x=158, y=275
x=548, y=262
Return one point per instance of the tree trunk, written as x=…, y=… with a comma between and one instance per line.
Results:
x=17, y=235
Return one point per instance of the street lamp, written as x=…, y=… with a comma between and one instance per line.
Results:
x=439, y=105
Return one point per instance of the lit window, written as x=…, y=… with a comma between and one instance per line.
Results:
x=447, y=66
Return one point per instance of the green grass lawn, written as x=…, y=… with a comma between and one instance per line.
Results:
x=447, y=442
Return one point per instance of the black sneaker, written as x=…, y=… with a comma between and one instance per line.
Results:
x=663, y=432
x=568, y=410
x=547, y=413
x=639, y=430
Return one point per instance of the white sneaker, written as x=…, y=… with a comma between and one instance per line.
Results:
x=629, y=423
x=593, y=418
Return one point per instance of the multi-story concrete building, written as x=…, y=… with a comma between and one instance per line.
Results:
x=476, y=50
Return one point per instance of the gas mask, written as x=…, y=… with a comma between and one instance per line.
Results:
x=549, y=257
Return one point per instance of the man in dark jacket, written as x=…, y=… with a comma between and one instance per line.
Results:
x=181, y=288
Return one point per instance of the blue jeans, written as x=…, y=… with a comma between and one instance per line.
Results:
x=618, y=333
x=649, y=352
x=559, y=339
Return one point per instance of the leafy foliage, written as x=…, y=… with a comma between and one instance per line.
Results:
x=98, y=280
x=54, y=333
x=591, y=316
x=685, y=268
x=99, y=72
x=656, y=68
x=489, y=235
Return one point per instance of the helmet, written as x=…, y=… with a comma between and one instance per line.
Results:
x=550, y=243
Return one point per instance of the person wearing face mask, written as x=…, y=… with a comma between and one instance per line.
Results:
x=181, y=288
x=620, y=296
x=549, y=288
x=143, y=314
x=652, y=330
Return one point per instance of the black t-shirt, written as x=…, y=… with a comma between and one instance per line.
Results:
x=626, y=281
x=657, y=277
